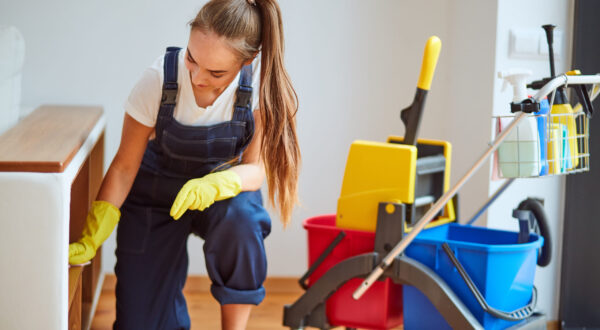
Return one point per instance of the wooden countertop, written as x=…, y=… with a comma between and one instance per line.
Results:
x=47, y=139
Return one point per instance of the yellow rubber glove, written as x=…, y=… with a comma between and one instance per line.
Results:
x=101, y=221
x=198, y=194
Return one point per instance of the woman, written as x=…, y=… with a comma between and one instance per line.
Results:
x=202, y=129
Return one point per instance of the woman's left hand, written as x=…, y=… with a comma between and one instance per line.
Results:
x=198, y=194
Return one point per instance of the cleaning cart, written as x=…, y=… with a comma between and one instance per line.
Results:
x=374, y=266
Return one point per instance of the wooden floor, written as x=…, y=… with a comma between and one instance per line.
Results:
x=204, y=310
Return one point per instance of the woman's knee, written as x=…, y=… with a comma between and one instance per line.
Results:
x=244, y=217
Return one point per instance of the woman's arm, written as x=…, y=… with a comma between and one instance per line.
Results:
x=124, y=167
x=252, y=171
x=104, y=214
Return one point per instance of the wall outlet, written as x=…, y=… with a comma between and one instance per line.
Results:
x=523, y=43
x=531, y=44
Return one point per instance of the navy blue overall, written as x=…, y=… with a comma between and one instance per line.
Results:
x=152, y=257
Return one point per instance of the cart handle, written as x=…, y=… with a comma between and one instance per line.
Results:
x=565, y=79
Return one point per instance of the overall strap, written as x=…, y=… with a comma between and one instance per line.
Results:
x=243, y=98
x=169, y=90
x=243, y=106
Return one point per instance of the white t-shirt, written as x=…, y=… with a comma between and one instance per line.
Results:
x=144, y=100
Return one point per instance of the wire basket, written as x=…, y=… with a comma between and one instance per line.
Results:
x=543, y=145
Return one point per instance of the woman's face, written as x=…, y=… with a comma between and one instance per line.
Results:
x=211, y=62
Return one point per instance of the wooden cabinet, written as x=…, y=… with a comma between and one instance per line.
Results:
x=51, y=168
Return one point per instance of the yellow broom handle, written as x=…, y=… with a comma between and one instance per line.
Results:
x=430, y=57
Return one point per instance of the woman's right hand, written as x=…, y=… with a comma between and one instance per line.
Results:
x=100, y=223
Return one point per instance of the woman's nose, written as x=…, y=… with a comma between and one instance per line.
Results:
x=198, y=78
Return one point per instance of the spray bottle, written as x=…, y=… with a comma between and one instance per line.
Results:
x=519, y=155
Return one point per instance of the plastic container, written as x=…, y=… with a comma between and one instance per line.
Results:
x=542, y=124
x=559, y=155
x=502, y=270
x=378, y=308
x=563, y=114
x=519, y=153
x=550, y=149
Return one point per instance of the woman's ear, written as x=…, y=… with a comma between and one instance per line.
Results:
x=251, y=60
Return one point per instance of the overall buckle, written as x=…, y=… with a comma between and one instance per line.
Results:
x=169, y=96
x=244, y=94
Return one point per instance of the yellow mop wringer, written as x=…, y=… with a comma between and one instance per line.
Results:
x=402, y=170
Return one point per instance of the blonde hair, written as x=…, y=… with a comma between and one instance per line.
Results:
x=250, y=27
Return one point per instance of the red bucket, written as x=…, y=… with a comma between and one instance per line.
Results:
x=380, y=307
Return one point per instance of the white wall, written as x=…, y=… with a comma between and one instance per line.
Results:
x=93, y=52
x=469, y=92
x=354, y=64
x=532, y=15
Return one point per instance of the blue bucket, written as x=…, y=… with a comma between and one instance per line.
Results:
x=502, y=270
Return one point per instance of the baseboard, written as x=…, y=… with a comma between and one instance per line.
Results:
x=553, y=325
x=198, y=283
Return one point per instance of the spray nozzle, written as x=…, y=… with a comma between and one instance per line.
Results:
x=517, y=78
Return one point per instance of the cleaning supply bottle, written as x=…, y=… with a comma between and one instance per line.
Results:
x=562, y=113
x=556, y=133
x=519, y=155
x=542, y=124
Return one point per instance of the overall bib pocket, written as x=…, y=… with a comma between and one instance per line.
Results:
x=209, y=150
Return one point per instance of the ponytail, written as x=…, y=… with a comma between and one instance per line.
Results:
x=278, y=103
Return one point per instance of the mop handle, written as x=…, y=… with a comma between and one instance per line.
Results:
x=401, y=246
